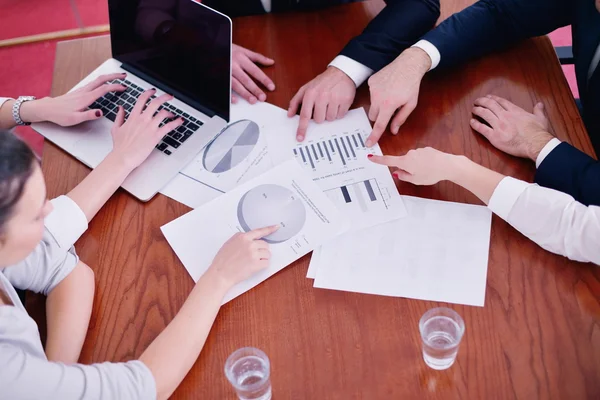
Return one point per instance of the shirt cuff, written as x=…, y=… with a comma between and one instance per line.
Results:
x=551, y=145
x=356, y=71
x=66, y=222
x=4, y=100
x=505, y=196
x=431, y=51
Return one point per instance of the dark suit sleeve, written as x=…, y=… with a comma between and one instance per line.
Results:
x=573, y=172
x=490, y=25
x=398, y=26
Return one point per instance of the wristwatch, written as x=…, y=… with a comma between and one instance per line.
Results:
x=17, y=108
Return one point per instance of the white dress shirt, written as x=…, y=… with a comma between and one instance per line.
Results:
x=358, y=72
x=266, y=5
x=552, y=219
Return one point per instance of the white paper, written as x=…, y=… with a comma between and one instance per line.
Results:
x=335, y=157
x=239, y=152
x=439, y=252
x=284, y=196
x=189, y=191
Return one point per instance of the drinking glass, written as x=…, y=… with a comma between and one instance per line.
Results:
x=248, y=370
x=441, y=331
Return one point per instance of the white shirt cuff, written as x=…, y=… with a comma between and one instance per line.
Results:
x=266, y=5
x=505, y=196
x=431, y=51
x=4, y=100
x=356, y=71
x=551, y=145
x=66, y=222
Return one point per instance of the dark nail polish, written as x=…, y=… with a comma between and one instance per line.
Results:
x=369, y=155
x=98, y=113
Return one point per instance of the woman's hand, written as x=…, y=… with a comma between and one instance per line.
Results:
x=426, y=166
x=242, y=256
x=134, y=139
x=71, y=108
x=244, y=72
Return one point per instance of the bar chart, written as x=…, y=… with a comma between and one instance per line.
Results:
x=361, y=197
x=338, y=150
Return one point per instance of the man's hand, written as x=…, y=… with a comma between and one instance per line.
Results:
x=244, y=72
x=326, y=97
x=396, y=88
x=512, y=129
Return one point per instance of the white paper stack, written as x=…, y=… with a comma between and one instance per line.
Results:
x=439, y=252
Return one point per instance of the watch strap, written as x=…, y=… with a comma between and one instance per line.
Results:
x=16, y=109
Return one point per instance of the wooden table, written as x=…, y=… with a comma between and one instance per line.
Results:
x=537, y=336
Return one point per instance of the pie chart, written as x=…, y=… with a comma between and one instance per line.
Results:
x=268, y=205
x=231, y=146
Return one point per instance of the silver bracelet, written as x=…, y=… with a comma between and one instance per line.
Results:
x=16, y=109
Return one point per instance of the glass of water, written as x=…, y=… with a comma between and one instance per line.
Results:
x=441, y=331
x=248, y=369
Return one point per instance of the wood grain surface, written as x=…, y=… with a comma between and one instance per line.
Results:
x=536, y=338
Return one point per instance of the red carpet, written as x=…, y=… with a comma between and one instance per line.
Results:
x=27, y=69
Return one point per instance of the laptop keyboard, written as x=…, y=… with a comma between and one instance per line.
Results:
x=127, y=99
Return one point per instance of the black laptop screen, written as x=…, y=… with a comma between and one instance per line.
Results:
x=180, y=46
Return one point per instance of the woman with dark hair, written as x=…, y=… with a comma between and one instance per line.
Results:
x=37, y=254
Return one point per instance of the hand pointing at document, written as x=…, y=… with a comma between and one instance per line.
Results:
x=395, y=90
x=326, y=97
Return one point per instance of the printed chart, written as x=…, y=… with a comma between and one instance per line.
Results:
x=231, y=146
x=337, y=151
x=268, y=205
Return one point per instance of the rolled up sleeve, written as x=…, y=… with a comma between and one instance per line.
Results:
x=54, y=257
x=66, y=222
x=4, y=100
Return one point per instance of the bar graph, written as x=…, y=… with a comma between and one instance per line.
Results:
x=364, y=196
x=338, y=150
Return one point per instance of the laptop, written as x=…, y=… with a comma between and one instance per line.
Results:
x=179, y=47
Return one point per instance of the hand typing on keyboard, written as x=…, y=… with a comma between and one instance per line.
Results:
x=126, y=99
x=72, y=108
x=136, y=137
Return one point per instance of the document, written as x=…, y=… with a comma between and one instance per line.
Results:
x=239, y=152
x=439, y=252
x=334, y=155
x=190, y=191
x=284, y=196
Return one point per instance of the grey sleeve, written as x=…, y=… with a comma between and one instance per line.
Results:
x=54, y=258
x=43, y=269
x=24, y=376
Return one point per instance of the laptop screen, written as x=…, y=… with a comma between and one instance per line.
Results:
x=180, y=46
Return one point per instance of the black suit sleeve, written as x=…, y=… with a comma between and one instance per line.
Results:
x=490, y=25
x=398, y=26
x=571, y=171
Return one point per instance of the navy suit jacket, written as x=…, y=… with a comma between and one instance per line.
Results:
x=240, y=8
x=489, y=25
x=398, y=26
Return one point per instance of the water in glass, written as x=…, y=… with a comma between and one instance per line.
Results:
x=441, y=332
x=248, y=370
